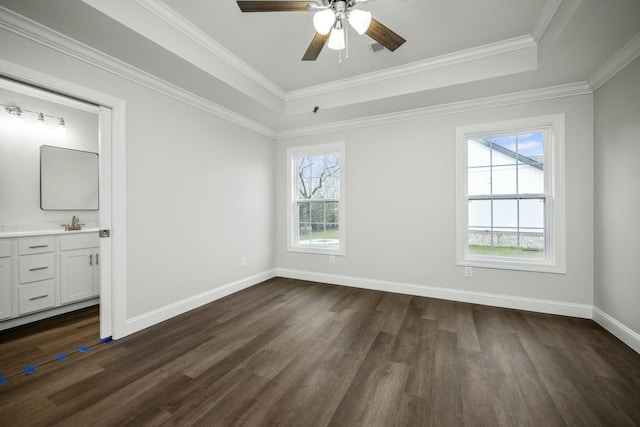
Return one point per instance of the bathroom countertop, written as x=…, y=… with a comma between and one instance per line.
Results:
x=33, y=233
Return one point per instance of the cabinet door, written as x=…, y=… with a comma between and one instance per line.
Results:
x=5, y=288
x=76, y=275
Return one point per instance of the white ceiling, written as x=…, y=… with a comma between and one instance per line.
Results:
x=250, y=63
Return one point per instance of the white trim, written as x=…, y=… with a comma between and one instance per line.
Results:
x=143, y=321
x=548, y=12
x=618, y=329
x=554, y=190
x=496, y=300
x=47, y=37
x=402, y=71
x=617, y=63
x=536, y=95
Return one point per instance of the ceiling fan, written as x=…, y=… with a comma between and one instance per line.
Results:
x=329, y=22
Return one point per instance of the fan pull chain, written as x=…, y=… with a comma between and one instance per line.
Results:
x=346, y=42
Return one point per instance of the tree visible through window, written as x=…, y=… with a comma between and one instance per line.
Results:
x=316, y=205
x=318, y=199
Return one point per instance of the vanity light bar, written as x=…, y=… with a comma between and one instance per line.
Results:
x=16, y=112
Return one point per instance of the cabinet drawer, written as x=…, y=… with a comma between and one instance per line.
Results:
x=81, y=241
x=36, y=267
x=35, y=296
x=36, y=246
x=5, y=248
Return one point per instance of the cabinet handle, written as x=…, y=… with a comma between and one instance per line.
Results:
x=38, y=268
x=38, y=246
x=97, y=262
x=90, y=259
x=40, y=297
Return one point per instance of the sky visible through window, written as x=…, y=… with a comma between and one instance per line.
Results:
x=530, y=145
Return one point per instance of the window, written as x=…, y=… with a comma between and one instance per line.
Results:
x=316, y=211
x=511, y=195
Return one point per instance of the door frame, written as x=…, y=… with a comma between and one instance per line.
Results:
x=112, y=214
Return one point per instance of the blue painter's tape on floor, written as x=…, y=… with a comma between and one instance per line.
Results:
x=107, y=340
x=3, y=380
x=29, y=369
x=61, y=356
x=84, y=349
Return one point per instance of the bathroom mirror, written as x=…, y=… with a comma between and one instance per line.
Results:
x=68, y=179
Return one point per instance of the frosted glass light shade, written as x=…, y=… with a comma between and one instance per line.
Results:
x=360, y=20
x=323, y=21
x=336, y=39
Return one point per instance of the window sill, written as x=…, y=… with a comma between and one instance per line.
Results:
x=316, y=250
x=507, y=264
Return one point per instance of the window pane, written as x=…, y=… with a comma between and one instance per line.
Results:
x=303, y=212
x=479, y=181
x=317, y=212
x=504, y=179
x=505, y=215
x=332, y=212
x=532, y=214
x=478, y=153
x=479, y=214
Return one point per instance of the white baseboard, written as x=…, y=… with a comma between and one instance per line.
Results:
x=619, y=330
x=626, y=335
x=161, y=314
x=506, y=301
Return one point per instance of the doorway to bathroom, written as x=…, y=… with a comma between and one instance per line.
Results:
x=83, y=113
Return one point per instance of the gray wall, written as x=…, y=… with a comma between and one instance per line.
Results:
x=200, y=190
x=401, y=207
x=617, y=202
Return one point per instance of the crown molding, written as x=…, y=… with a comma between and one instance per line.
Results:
x=617, y=63
x=180, y=24
x=402, y=71
x=554, y=92
x=52, y=39
x=548, y=12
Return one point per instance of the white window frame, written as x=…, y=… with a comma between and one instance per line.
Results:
x=554, y=167
x=292, y=210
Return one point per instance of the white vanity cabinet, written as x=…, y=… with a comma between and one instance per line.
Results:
x=5, y=279
x=36, y=274
x=79, y=267
x=44, y=275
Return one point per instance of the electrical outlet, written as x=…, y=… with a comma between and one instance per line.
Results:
x=243, y=261
x=332, y=259
x=468, y=272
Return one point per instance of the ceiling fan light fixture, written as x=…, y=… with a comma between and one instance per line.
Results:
x=323, y=21
x=360, y=20
x=336, y=39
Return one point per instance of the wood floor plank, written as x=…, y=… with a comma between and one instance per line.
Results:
x=295, y=353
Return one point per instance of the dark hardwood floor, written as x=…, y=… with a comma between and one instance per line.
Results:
x=293, y=353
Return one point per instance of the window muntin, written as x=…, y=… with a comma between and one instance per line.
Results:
x=317, y=205
x=510, y=190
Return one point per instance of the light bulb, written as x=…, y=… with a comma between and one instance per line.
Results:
x=360, y=20
x=336, y=39
x=323, y=21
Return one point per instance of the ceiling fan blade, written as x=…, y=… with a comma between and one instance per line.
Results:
x=315, y=47
x=273, y=6
x=384, y=36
